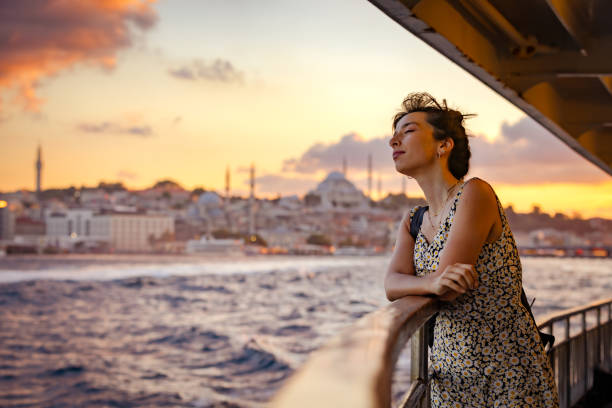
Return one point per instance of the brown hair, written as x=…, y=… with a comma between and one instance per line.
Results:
x=446, y=123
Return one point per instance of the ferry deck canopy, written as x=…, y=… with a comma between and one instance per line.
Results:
x=550, y=58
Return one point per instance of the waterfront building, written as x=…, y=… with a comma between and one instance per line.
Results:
x=26, y=226
x=75, y=222
x=133, y=232
x=7, y=221
x=119, y=231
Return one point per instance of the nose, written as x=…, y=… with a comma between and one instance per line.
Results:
x=393, y=141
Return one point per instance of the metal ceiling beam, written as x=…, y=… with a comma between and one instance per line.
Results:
x=606, y=81
x=569, y=14
x=534, y=84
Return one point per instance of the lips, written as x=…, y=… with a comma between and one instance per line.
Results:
x=396, y=154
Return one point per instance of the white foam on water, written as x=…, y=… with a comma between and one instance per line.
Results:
x=205, y=267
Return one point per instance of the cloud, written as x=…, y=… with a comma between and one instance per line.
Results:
x=275, y=183
x=219, y=70
x=353, y=147
x=527, y=153
x=41, y=38
x=109, y=127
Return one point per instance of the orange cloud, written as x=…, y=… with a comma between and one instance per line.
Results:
x=40, y=38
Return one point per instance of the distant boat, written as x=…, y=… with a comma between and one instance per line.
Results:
x=206, y=245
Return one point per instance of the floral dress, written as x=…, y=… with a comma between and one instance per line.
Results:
x=487, y=351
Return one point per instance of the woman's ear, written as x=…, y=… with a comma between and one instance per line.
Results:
x=447, y=145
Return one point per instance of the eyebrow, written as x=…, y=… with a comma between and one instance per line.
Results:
x=404, y=125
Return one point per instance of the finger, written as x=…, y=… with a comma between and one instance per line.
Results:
x=452, y=285
x=470, y=271
x=475, y=277
x=460, y=277
x=463, y=265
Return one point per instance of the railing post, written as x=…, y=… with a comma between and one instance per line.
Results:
x=585, y=354
x=599, y=336
x=568, y=377
x=418, y=355
x=419, y=360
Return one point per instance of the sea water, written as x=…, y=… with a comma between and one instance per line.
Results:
x=203, y=332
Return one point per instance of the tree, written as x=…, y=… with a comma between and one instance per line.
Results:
x=312, y=200
x=111, y=187
x=198, y=191
x=167, y=183
x=318, y=239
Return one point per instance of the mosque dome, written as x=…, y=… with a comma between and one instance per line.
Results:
x=210, y=199
x=335, y=181
x=337, y=191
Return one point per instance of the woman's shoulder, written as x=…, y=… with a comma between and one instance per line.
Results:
x=479, y=187
x=479, y=193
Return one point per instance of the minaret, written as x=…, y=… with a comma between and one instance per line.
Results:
x=227, y=185
x=404, y=185
x=379, y=187
x=252, y=202
x=38, y=171
x=370, y=176
x=226, y=201
x=344, y=166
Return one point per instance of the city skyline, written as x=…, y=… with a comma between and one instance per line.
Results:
x=376, y=195
x=170, y=90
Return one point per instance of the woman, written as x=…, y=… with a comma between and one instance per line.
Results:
x=486, y=351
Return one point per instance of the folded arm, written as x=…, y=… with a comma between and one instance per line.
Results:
x=474, y=217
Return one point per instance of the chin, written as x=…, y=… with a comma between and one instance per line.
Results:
x=404, y=171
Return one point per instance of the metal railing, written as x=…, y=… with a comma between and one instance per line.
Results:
x=355, y=368
x=576, y=356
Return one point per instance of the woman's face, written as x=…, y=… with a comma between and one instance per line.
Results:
x=413, y=144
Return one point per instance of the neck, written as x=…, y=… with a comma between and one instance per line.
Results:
x=435, y=186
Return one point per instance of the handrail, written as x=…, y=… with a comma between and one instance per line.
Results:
x=355, y=368
x=551, y=318
x=575, y=358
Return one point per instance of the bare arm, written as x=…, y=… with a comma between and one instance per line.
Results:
x=400, y=279
x=474, y=218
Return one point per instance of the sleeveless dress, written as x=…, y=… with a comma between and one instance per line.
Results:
x=487, y=351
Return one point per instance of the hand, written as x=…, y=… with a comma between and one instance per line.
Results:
x=454, y=280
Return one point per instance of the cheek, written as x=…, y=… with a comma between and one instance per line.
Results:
x=415, y=146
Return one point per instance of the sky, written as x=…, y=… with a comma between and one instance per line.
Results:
x=138, y=91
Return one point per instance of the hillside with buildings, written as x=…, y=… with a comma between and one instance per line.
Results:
x=166, y=218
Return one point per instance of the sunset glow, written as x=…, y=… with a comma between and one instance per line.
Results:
x=138, y=91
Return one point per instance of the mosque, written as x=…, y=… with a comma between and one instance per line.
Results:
x=337, y=192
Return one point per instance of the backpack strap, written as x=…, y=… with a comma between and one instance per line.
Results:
x=417, y=220
x=545, y=337
x=415, y=225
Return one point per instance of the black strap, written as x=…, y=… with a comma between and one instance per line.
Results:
x=545, y=337
x=416, y=221
x=415, y=226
